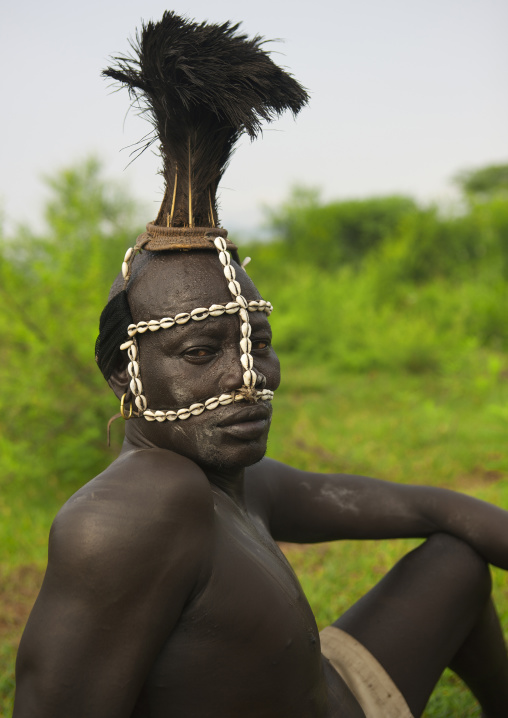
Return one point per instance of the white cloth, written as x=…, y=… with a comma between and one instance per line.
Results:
x=366, y=678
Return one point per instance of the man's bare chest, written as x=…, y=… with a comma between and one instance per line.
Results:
x=252, y=589
x=249, y=630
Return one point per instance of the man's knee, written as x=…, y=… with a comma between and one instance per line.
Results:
x=460, y=563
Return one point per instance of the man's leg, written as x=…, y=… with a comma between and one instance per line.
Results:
x=488, y=679
x=433, y=610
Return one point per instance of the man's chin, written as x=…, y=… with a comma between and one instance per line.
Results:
x=229, y=461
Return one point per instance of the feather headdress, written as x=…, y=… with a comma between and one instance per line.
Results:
x=202, y=86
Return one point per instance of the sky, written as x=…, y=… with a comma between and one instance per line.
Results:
x=404, y=94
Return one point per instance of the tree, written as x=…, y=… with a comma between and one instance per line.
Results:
x=484, y=183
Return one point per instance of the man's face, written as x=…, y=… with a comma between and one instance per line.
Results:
x=192, y=362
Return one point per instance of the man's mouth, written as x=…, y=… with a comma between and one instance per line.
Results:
x=259, y=412
x=247, y=423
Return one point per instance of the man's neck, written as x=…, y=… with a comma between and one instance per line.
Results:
x=229, y=480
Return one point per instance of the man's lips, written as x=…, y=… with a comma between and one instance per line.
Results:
x=249, y=414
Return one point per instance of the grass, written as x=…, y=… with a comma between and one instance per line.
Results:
x=443, y=430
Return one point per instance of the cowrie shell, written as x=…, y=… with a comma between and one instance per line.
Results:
x=235, y=288
x=220, y=243
x=247, y=361
x=216, y=310
x=229, y=273
x=199, y=314
x=140, y=402
x=133, y=369
x=136, y=386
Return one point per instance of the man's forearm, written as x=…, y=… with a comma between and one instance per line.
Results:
x=317, y=507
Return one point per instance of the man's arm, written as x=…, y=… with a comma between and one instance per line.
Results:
x=304, y=507
x=126, y=553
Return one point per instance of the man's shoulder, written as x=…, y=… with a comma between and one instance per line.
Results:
x=143, y=480
x=145, y=506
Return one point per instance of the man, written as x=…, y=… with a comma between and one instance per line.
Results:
x=166, y=593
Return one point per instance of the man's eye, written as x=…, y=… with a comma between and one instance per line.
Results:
x=260, y=345
x=199, y=353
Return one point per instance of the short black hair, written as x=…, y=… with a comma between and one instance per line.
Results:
x=115, y=318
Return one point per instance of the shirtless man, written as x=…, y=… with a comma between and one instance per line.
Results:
x=166, y=594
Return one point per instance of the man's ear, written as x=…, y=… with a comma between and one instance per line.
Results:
x=119, y=379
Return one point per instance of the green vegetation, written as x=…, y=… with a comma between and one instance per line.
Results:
x=390, y=321
x=54, y=401
x=484, y=183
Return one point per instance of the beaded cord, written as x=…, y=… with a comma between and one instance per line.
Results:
x=240, y=305
x=198, y=314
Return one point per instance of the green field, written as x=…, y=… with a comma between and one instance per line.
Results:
x=390, y=321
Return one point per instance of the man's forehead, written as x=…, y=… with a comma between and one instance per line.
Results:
x=180, y=282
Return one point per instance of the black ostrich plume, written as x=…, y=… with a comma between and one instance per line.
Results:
x=202, y=86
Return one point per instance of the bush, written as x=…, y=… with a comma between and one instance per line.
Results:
x=425, y=296
x=335, y=233
x=53, y=286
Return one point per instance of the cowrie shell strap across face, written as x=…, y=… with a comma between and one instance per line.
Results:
x=239, y=305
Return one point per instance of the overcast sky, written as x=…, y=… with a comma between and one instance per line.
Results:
x=404, y=93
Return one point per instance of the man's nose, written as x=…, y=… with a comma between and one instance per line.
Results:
x=260, y=379
x=232, y=373
x=232, y=378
